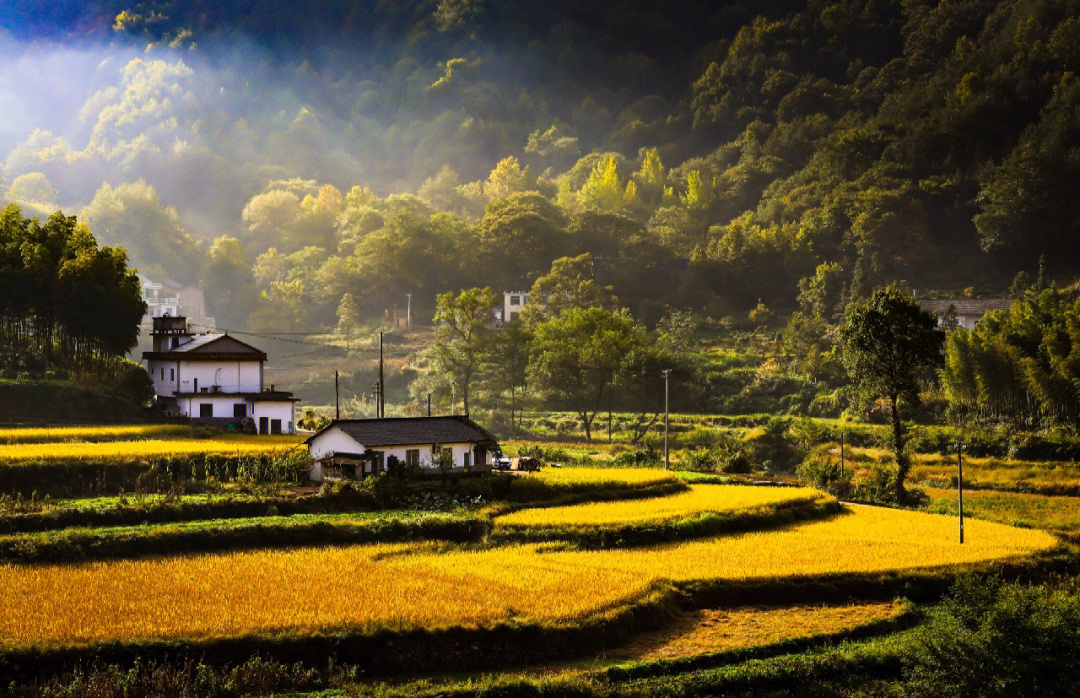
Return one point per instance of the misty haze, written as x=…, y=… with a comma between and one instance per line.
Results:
x=481, y=347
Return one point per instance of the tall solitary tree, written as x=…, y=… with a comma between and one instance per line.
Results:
x=888, y=343
x=462, y=335
x=577, y=355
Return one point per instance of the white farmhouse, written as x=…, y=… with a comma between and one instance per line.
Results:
x=215, y=378
x=355, y=448
x=964, y=312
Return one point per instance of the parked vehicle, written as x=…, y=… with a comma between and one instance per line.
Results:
x=527, y=464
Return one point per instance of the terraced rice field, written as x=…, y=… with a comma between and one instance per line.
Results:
x=101, y=433
x=599, y=476
x=716, y=630
x=149, y=448
x=1014, y=508
x=719, y=499
x=424, y=586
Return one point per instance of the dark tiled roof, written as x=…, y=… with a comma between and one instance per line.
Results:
x=966, y=306
x=403, y=431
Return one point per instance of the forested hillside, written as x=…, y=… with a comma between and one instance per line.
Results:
x=706, y=155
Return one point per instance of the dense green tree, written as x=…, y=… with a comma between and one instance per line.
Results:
x=462, y=329
x=571, y=283
x=519, y=236
x=888, y=344
x=577, y=355
x=63, y=299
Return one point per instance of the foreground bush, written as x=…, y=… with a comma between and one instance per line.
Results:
x=995, y=639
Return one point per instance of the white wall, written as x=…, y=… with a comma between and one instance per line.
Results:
x=333, y=440
x=508, y=307
x=221, y=404
x=285, y=411
x=232, y=376
x=160, y=374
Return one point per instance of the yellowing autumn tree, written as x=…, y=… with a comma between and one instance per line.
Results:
x=604, y=190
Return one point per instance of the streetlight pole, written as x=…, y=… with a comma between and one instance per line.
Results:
x=667, y=458
x=960, y=486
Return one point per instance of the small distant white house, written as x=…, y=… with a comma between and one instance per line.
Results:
x=214, y=378
x=513, y=303
x=168, y=297
x=963, y=312
x=355, y=448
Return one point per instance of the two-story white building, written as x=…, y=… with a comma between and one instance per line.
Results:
x=355, y=448
x=513, y=303
x=215, y=378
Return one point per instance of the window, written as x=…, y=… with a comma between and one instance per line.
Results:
x=466, y=462
x=525, y=299
x=275, y=426
x=171, y=375
x=239, y=411
x=162, y=373
x=206, y=410
x=412, y=457
x=515, y=300
x=513, y=316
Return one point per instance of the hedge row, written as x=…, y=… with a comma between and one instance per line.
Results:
x=78, y=544
x=79, y=478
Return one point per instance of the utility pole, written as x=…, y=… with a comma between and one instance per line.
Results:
x=337, y=398
x=380, y=406
x=841, y=453
x=408, y=313
x=667, y=461
x=960, y=486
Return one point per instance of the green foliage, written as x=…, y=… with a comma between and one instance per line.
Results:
x=995, y=639
x=1019, y=365
x=727, y=455
x=888, y=345
x=577, y=355
x=63, y=299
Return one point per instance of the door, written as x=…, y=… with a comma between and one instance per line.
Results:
x=275, y=426
x=264, y=425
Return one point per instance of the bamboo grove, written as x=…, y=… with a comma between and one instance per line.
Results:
x=64, y=301
x=1021, y=365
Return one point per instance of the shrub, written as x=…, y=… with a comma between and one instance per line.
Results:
x=824, y=474
x=640, y=458
x=995, y=639
x=729, y=455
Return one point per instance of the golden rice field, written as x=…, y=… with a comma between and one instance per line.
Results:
x=1061, y=514
x=995, y=473
x=579, y=476
x=716, y=630
x=100, y=433
x=720, y=499
x=423, y=586
x=144, y=448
